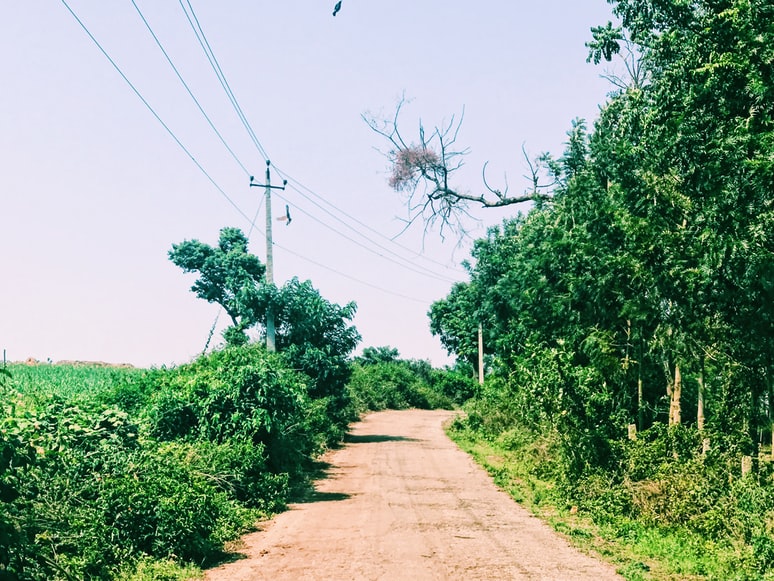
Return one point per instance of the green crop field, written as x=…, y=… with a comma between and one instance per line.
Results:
x=68, y=380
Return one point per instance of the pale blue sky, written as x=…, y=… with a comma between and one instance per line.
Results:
x=95, y=191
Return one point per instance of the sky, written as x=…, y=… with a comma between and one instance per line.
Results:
x=100, y=179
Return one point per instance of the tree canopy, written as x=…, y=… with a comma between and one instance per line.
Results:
x=228, y=274
x=641, y=291
x=313, y=334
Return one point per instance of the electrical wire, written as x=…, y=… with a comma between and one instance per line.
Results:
x=195, y=24
x=205, y=45
x=298, y=187
x=368, y=249
x=210, y=178
x=187, y=88
x=206, y=174
x=255, y=219
x=153, y=111
x=352, y=278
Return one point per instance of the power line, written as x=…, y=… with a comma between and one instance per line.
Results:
x=195, y=24
x=352, y=278
x=153, y=111
x=204, y=43
x=206, y=47
x=298, y=187
x=187, y=88
x=368, y=249
x=209, y=177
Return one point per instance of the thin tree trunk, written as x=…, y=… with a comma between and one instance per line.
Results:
x=669, y=386
x=700, y=397
x=640, y=410
x=676, y=392
x=770, y=385
x=640, y=394
x=753, y=422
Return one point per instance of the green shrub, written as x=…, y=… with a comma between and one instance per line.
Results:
x=242, y=393
x=455, y=386
x=97, y=497
x=396, y=384
x=17, y=459
x=147, y=569
x=386, y=386
x=159, y=467
x=130, y=392
x=237, y=468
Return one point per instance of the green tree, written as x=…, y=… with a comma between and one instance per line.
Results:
x=374, y=355
x=702, y=184
x=316, y=335
x=455, y=320
x=228, y=275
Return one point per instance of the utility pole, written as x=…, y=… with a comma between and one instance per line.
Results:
x=480, y=354
x=270, y=331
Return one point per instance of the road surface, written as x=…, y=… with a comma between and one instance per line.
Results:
x=402, y=502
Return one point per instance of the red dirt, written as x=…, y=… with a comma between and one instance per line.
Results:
x=403, y=502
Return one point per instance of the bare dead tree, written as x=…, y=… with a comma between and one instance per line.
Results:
x=423, y=170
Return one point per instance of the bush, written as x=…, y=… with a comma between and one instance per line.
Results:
x=147, y=569
x=387, y=386
x=239, y=393
x=455, y=386
x=94, y=497
x=122, y=479
x=17, y=459
x=236, y=468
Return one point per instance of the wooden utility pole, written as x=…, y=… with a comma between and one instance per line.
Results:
x=270, y=330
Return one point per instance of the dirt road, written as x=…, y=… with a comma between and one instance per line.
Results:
x=403, y=502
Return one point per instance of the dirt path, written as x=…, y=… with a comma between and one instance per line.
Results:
x=403, y=502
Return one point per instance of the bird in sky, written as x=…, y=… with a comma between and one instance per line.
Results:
x=337, y=8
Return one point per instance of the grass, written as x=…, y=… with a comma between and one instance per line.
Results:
x=150, y=570
x=78, y=383
x=67, y=381
x=524, y=468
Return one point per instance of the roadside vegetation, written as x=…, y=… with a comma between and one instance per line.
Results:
x=120, y=473
x=628, y=330
x=381, y=380
x=628, y=317
x=147, y=474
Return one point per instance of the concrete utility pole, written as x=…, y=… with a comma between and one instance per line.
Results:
x=270, y=331
x=480, y=354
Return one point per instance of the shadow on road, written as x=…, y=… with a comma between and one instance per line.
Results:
x=317, y=496
x=373, y=438
x=305, y=491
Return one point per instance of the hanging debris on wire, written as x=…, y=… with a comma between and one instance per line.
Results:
x=286, y=218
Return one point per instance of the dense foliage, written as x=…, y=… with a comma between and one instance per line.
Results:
x=97, y=479
x=132, y=474
x=228, y=275
x=640, y=297
x=104, y=468
x=381, y=380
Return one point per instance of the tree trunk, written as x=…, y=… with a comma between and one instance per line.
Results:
x=700, y=398
x=770, y=385
x=640, y=410
x=674, y=400
x=640, y=403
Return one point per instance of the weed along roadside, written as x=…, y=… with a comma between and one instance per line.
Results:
x=148, y=474
x=121, y=473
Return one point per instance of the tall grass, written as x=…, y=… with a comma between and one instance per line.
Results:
x=68, y=381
